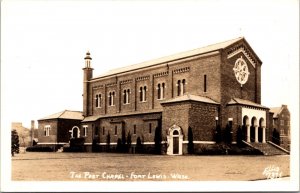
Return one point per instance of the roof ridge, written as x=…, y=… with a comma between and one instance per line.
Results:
x=62, y=113
x=165, y=59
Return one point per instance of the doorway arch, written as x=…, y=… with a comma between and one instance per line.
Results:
x=175, y=139
x=75, y=132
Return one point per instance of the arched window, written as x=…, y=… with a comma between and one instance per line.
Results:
x=158, y=91
x=163, y=91
x=141, y=93
x=178, y=87
x=112, y=98
x=96, y=102
x=128, y=94
x=183, y=86
x=175, y=132
x=145, y=94
x=109, y=99
x=125, y=97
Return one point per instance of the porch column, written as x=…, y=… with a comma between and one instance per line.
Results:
x=248, y=133
x=256, y=133
x=264, y=134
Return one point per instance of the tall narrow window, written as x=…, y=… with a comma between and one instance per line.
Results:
x=134, y=129
x=96, y=101
x=116, y=130
x=141, y=93
x=205, y=82
x=125, y=97
x=47, y=130
x=150, y=127
x=99, y=100
x=178, y=87
x=128, y=94
x=112, y=99
x=145, y=94
x=85, y=128
x=163, y=90
x=158, y=92
x=109, y=99
x=183, y=87
x=96, y=130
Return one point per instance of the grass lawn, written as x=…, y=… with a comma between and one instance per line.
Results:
x=131, y=167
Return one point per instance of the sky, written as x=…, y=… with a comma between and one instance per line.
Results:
x=43, y=45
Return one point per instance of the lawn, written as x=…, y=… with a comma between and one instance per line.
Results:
x=132, y=167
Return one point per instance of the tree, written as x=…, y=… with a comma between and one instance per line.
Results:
x=108, y=142
x=157, y=140
x=129, y=140
x=14, y=142
x=276, y=137
x=190, y=141
x=239, y=136
x=123, y=145
x=228, y=134
x=139, y=146
x=218, y=134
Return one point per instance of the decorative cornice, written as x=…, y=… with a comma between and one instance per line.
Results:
x=241, y=48
x=141, y=78
x=160, y=74
x=181, y=70
x=111, y=84
x=126, y=81
x=97, y=87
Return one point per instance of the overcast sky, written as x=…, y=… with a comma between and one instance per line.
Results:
x=43, y=44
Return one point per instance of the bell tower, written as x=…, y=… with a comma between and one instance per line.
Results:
x=87, y=76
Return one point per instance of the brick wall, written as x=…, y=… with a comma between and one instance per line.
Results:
x=202, y=121
x=53, y=131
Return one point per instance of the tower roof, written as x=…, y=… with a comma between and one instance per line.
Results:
x=88, y=56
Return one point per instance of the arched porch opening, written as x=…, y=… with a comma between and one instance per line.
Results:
x=245, y=127
x=253, y=129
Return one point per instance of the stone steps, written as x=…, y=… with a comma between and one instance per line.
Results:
x=268, y=149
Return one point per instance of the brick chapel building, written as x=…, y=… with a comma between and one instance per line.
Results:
x=193, y=91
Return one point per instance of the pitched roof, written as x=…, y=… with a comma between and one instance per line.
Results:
x=190, y=97
x=276, y=111
x=66, y=114
x=198, y=51
x=235, y=101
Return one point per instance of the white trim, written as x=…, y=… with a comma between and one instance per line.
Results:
x=200, y=142
x=134, y=143
x=60, y=143
x=244, y=52
x=148, y=143
x=88, y=144
x=230, y=119
x=78, y=133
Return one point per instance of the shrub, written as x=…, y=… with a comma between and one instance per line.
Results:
x=37, y=148
x=190, y=141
